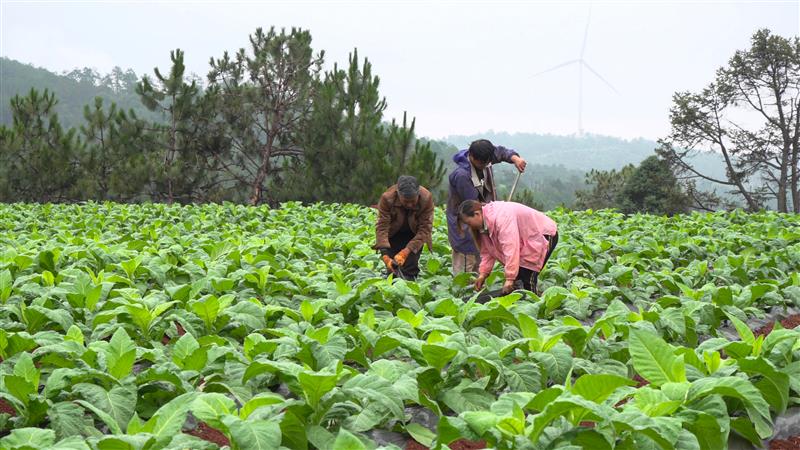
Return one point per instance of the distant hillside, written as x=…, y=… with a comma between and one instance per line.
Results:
x=557, y=163
x=551, y=183
x=581, y=153
x=73, y=90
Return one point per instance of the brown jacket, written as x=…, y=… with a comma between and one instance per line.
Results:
x=392, y=215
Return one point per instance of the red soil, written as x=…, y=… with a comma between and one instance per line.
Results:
x=639, y=383
x=209, y=434
x=414, y=445
x=166, y=340
x=461, y=444
x=6, y=408
x=793, y=443
x=790, y=322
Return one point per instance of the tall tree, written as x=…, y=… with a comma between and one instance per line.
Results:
x=652, y=188
x=344, y=144
x=605, y=188
x=38, y=158
x=411, y=156
x=350, y=154
x=118, y=161
x=759, y=85
x=265, y=100
x=184, y=139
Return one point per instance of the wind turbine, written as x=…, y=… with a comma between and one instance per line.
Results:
x=581, y=62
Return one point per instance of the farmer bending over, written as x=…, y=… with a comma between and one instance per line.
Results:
x=521, y=238
x=473, y=180
x=405, y=223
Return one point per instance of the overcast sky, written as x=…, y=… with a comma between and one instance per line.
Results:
x=458, y=67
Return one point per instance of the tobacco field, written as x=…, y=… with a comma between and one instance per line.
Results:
x=150, y=327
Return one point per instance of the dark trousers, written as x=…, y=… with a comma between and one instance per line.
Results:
x=399, y=241
x=530, y=278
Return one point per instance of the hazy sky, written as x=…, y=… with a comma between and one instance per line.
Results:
x=458, y=67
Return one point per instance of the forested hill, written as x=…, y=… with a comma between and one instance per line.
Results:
x=558, y=163
x=580, y=153
x=79, y=87
x=73, y=90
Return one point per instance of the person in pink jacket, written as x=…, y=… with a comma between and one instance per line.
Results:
x=521, y=238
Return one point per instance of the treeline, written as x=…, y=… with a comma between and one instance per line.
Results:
x=650, y=187
x=267, y=125
x=74, y=89
x=749, y=115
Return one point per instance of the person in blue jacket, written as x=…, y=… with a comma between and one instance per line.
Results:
x=472, y=180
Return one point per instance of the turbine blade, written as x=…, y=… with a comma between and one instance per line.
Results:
x=573, y=61
x=599, y=76
x=586, y=31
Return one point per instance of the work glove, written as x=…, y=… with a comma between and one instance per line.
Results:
x=401, y=257
x=479, y=281
x=389, y=263
x=508, y=286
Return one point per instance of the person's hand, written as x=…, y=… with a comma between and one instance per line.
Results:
x=479, y=281
x=389, y=263
x=401, y=256
x=519, y=163
x=508, y=286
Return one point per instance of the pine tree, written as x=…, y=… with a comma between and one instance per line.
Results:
x=344, y=141
x=350, y=154
x=653, y=188
x=118, y=161
x=605, y=188
x=38, y=158
x=265, y=101
x=185, y=171
x=411, y=156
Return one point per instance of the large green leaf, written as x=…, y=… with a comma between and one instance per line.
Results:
x=597, y=388
x=69, y=419
x=563, y=404
x=347, y=441
x=6, y=282
x=654, y=359
x=316, y=385
x=523, y=377
x=211, y=408
x=774, y=385
x=438, y=356
x=294, y=432
x=28, y=438
x=755, y=405
x=707, y=429
x=253, y=435
x=120, y=354
x=119, y=402
x=169, y=419
x=664, y=431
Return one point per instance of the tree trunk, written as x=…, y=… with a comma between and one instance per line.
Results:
x=263, y=171
x=170, y=154
x=783, y=180
x=794, y=181
x=751, y=203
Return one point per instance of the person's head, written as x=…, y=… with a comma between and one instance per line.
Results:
x=480, y=153
x=408, y=191
x=470, y=212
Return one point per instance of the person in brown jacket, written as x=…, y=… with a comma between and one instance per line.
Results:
x=405, y=224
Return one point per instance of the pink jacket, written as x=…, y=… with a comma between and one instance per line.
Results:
x=516, y=237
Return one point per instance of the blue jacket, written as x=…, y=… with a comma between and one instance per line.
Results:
x=462, y=188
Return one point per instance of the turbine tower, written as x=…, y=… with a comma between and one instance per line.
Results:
x=581, y=62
